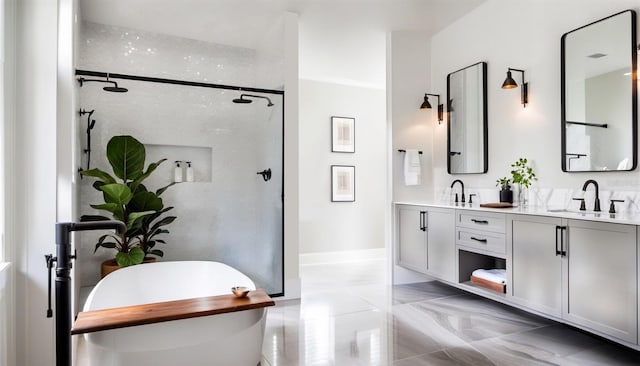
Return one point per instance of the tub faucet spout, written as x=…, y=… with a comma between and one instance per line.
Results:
x=596, y=204
x=461, y=189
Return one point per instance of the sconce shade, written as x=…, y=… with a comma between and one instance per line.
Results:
x=425, y=104
x=509, y=83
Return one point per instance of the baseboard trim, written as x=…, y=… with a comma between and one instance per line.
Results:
x=344, y=256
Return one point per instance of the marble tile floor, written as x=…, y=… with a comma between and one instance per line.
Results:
x=348, y=316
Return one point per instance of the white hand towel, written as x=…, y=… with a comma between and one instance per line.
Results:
x=412, y=168
x=492, y=275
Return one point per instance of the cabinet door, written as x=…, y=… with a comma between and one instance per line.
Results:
x=601, y=264
x=536, y=268
x=412, y=239
x=441, y=252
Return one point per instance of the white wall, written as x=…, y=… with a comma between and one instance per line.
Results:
x=35, y=176
x=412, y=127
x=7, y=100
x=342, y=54
x=327, y=226
x=526, y=35
x=291, y=159
x=409, y=58
x=342, y=73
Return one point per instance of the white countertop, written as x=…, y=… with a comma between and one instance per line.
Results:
x=628, y=218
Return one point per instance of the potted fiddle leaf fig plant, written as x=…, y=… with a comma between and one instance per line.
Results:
x=506, y=194
x=126, y=199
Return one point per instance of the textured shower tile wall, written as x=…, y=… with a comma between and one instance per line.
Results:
x=127, y=51
x=161, y=114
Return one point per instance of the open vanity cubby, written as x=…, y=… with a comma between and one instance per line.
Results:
x=469, y=261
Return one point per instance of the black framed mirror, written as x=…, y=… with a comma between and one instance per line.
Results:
x=467, y=137
x=599, y=95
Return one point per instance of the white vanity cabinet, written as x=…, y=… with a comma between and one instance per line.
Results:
x=536, y=262
x=581, y=271
x=601, y=279
x=425, y=240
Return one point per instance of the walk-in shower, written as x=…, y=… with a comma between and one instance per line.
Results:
x=232, y=211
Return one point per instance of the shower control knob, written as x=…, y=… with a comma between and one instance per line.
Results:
x=266, y=174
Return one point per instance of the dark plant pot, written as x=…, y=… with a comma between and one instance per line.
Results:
x=111, y=265
x=506, y=195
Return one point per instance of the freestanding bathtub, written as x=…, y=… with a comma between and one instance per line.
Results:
x=225, y=339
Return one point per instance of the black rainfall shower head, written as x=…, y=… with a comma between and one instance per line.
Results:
x=115, y=88
x=245, y=101
x=241, y=100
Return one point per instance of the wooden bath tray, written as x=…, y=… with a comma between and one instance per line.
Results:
x=497, y=287
x=129, y=316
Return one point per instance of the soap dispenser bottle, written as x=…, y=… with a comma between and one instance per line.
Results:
x=189, y=173
x=177, y=173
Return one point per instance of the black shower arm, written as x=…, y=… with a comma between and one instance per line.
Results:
x=83, y=80
x=254, y=96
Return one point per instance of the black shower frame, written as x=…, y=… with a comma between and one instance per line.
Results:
x=150, y=79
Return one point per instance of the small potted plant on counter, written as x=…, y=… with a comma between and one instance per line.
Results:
x=129, y=201
x=523, y=175
x=506, y=194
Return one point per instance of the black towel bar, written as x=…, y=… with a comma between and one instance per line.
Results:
x=403, y=150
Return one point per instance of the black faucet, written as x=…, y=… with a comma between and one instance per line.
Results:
x=63, y=281
x=462, y=186
x=596, y=205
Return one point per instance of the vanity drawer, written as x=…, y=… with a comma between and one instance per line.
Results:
x=486, y=221
x=494, y=242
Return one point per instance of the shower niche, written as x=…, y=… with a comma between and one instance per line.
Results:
x=199, y=157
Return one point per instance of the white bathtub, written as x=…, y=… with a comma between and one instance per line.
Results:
x=225, y=339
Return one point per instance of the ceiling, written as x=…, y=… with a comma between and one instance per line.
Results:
x=241, y=23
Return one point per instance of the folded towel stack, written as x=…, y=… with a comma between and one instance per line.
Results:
x=491, y=275
x=412, y=168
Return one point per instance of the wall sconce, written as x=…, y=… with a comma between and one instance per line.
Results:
x=509, y=83
x=426, y=105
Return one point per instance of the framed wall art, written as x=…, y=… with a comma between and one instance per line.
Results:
x=343, y=183
x=343, y=137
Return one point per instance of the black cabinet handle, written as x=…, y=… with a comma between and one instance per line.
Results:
x=482, y=222
x=480, y=240
x=423, y=220
x=562, y=251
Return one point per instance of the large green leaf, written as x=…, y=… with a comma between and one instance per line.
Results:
x=165, y=221
x=135, y=217
x=107, y=244
x=126, y=156
x=135, y=256
x=97, y=173
x=116, y=193
x=116, y=210
x=97, y=184
x=145, y=201
x=161, y=190
x=152, y=167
